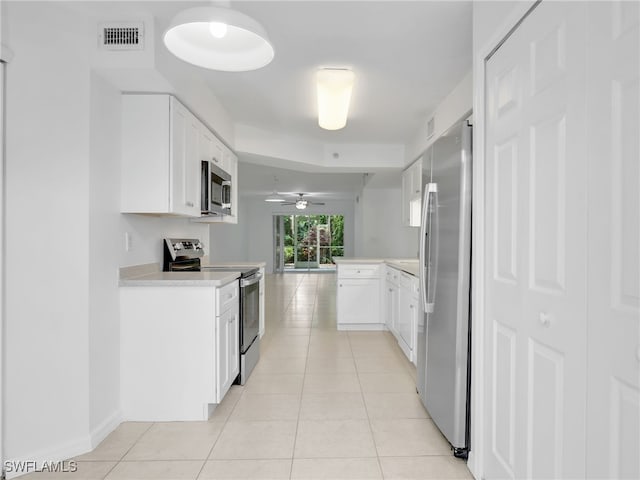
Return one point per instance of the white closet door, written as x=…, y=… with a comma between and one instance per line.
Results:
x=536, y=226
x=613, y=406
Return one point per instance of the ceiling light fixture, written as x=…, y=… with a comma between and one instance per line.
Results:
x=218, y=38
x=334, y=96
x=301, y=204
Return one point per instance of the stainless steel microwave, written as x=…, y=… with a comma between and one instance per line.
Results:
x=216, y=190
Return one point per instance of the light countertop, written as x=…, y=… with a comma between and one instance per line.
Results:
x=408, y=265
x=180, y=279
x=356, y=260
x=150, y=275
x=236, y=264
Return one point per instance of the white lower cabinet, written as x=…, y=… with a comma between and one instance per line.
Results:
x=408, y=316
x=359, y=297
x=403, y=309
x=392, y=288
x=377, y=297
x=227, y=357
x=227, y=342
x=179, y=350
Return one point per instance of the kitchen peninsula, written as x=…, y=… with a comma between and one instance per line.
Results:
x=380, y=294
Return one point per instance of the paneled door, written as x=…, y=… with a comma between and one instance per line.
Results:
x=613, y=406
x=536, y=229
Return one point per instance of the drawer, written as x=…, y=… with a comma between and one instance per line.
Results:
x=359, y=271
x=227, y=297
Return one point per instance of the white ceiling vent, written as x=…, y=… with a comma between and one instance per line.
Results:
x=121, y=36
x=431, y=127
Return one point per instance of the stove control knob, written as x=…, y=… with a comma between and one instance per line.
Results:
x=178, y=246
x=199, y=246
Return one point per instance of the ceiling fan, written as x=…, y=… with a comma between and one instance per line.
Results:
x=301, y=202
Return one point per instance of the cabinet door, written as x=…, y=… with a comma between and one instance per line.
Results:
x=405, y=317
x=392, y=306
x=233, y=323
x=227, y=350
x=185, y=167
x=415, y=195
x=406, y=197
x=414, y=312
x=359, y=301
x=217, y=153
x=206, y=141
x=223, y=340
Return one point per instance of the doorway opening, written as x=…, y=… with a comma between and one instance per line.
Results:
x=307, y=243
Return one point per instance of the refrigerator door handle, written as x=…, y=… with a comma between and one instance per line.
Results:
x=434, y=229
x=425, y=249
x=423, y=241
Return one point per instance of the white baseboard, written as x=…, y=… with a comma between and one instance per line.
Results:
x=69, y=449
x=61, y=452
x=104, y=428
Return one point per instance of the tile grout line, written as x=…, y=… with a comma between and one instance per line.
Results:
x=304, y=375
x=118, y=462
x=366, y=409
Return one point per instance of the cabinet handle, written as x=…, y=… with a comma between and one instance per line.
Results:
x=189, y=204
x=411, y=307
x=215, y=159
x=417, y=191
x=391, y=289
x=340, y=284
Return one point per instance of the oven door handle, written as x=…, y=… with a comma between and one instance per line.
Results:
x=251, y=280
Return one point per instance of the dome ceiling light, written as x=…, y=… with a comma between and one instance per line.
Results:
x=334, y=95
x=218, y=38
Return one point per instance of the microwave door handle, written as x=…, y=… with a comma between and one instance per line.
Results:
x=226, y=194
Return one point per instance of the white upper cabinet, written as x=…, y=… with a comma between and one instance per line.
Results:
x=160, y=165
x=163, y=146
x=213, y=150
x=412, y=194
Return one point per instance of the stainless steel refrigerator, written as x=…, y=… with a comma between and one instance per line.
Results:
x=444, y=333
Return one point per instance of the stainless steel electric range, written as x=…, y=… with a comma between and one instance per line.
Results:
x=184, y=255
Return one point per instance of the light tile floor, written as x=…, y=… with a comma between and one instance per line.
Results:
x=321, y=404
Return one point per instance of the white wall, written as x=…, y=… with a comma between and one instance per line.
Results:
x=104, y=179
x=65, y=236
x=381, y=233
x=252, y=239
x=230, y=242
x=47, y=224
x=453, y=107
